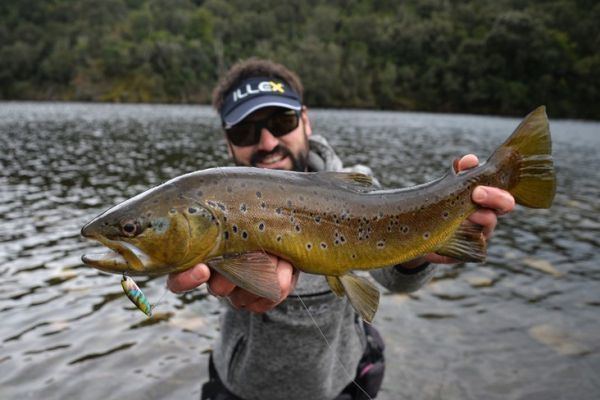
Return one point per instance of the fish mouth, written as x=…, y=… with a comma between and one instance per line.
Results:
x=122, y=257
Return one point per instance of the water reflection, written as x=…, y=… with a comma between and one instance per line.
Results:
x=522, y=325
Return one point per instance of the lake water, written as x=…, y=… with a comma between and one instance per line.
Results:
x=523, y=325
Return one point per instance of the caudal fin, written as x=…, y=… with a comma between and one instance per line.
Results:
x=535, y=182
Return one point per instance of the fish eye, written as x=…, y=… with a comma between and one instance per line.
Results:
x=130, y=227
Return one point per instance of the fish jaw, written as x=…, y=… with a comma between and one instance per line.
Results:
x=123, y=257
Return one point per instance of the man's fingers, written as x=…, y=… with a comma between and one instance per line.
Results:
x=468, y=161
x=220, y=286
x=242, y=299
x=496, y=199
x=187, y=280
x=487, y=219
x=287, y=277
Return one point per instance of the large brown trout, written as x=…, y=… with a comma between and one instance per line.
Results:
x=326, y=223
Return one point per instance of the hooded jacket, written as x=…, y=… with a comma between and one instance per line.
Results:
x=308, y=347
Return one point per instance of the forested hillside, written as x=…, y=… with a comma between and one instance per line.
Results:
x=475, y=56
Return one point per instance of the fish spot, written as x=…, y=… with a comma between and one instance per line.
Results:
x=258, y=195
x=245, y=235
x=381, y=244
x=297, y=228
x=199, y=193
x=279, y=238
x=445, y=214
x=353, y=256
x=192, y=210
x=263, y=205
x=405, y=229
x=323, y=245
x=426, y=235
x=261, y=226
x=243, y=207
x=278, y=211
x=308, y=246
x=234, y=228
x=226, y=235
x=318, y=219
x=173, y=211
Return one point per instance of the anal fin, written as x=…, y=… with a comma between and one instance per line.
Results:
x=252, y=271
x=363, y=295
x=467, y=244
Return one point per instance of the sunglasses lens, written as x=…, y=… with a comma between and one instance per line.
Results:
x=283, y=123
x=248, y=133
x=243, y=134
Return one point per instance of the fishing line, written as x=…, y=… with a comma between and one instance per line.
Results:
x=348, y=375
x=160, y=299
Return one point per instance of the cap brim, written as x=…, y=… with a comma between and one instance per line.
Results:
x=248, y=107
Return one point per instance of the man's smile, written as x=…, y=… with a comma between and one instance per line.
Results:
x=271, y=159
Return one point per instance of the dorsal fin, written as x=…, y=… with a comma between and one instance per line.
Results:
x=349, y=180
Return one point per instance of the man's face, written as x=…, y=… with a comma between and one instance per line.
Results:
x=287, y=152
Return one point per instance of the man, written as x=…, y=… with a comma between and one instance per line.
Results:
x=272, y=349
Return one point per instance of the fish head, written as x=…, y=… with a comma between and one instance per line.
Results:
x=157, y=232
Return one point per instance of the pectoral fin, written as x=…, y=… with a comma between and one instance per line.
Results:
x=467, y=244
x=252, y=271
x=363, y=295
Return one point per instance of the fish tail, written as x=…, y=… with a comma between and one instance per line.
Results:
x=533, y=183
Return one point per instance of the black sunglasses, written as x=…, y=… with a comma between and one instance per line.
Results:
x=248, y=133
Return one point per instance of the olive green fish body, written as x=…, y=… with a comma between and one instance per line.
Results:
x=326, y=223
x=312, y=219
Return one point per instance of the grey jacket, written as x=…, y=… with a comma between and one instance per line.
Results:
x=282, y=354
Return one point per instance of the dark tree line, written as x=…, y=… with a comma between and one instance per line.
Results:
x=474, y=56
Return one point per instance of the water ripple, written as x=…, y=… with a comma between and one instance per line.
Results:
x=514, y=317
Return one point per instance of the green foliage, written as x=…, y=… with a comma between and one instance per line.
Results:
x=474, y=56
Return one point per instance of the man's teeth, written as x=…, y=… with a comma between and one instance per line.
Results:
x=272, y=159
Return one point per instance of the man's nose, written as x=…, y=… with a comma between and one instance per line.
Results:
x=267, y=141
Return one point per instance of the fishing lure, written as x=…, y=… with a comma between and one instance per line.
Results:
x=136, y=295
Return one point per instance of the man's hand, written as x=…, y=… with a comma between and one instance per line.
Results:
x=493, y=202
x=219, y=286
